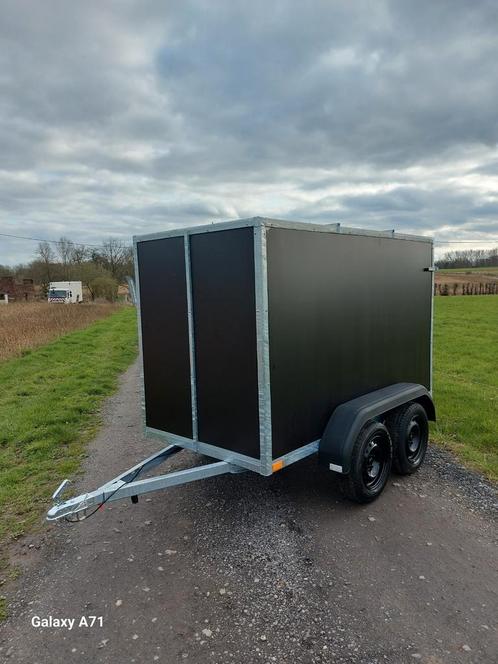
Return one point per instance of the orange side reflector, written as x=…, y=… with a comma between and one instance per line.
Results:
x=277, y=465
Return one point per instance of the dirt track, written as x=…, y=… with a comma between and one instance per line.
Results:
x=246, y=569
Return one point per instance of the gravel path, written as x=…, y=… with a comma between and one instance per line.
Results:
x=243, y=569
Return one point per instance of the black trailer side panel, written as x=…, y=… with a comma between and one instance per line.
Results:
x=225, y=339
x=348, y=314
x=165, y=343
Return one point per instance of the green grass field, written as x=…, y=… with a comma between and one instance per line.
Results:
x=49, y=405
x=466, y=379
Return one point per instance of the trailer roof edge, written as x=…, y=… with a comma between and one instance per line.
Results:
x=346, y=230
x=200, y=228
x=279, y=223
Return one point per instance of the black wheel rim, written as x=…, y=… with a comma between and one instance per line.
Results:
x=375, y=462
x=414, y=440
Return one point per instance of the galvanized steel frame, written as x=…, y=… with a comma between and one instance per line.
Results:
x=125, y=486
x=205, y=448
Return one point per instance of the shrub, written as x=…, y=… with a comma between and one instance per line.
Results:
x=105, y=287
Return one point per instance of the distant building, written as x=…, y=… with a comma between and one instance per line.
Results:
x=17, y=291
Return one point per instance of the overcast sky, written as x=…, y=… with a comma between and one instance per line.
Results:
x=119, y=118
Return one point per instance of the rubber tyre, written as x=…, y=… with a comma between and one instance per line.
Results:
x=363, y=484
x=409, y=429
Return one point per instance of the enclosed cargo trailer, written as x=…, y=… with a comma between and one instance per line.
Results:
x=265, y=341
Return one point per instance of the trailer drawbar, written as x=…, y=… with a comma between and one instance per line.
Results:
x=265, y=341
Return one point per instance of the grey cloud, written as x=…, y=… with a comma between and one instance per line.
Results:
x=408, y=209
x=490, y=227
x=117, y=118
x=490, y=168
x=362, y=84
x=488, y=209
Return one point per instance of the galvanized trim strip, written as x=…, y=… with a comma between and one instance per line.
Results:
x=205, y=448
x=140, y=346
x=204, y=228
x=191, y=339
x=342, y=230
x=263, y=349
x=280, y=223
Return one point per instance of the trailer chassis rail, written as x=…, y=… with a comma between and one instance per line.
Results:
x=127, y=485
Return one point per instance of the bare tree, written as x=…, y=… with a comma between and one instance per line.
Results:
x=469, y=258
x=116, y=257
x=66, y=260
x=79, y=254
x=65, y=249
x=47, y=256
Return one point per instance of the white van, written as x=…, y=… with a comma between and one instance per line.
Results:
x=66, y=292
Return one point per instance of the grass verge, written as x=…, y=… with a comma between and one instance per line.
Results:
x=49, y=405
x=466, y=379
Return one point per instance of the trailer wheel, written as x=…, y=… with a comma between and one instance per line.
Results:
x=370, y=464
x=409, y=429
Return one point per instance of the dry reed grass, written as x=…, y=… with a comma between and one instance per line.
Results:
x=26, y=325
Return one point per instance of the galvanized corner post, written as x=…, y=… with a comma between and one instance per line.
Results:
x=140, y=345
x=191, y=340
x=263, y=346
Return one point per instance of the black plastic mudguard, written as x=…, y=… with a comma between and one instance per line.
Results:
x=349, y=418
